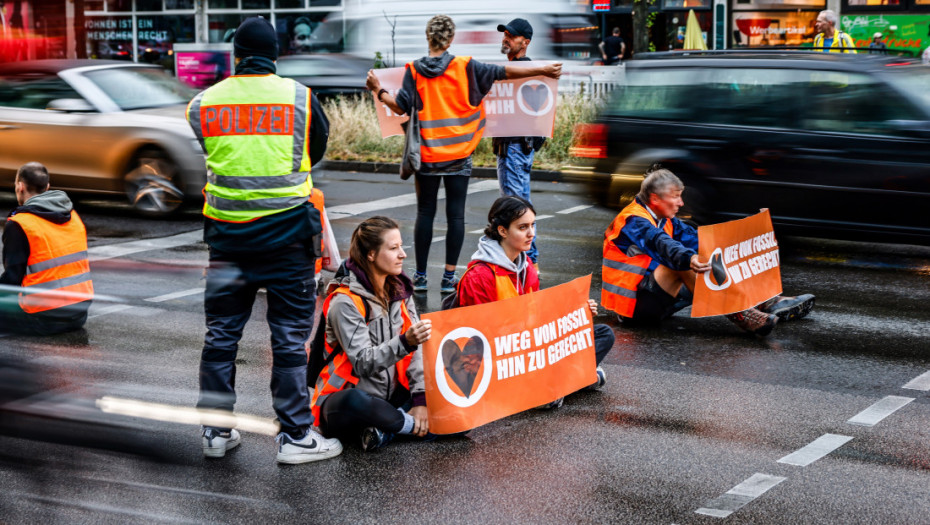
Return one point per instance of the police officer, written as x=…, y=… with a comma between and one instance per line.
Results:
x=261, y=133
x=44, y=260
x=515, y=154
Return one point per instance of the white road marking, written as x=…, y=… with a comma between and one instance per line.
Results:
x=407, y=199
x=541, y=217
x=879, y=411
x=98, y=253
x=175, y=295
x=817, y=449
x=439, y=238
x=109, y=310
x=740, y=495
x=576, y=208
x=921, y=382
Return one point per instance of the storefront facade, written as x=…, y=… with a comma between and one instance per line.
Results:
x=765, y=23
x=668, y=23
x=146, y=30
x=904, y=25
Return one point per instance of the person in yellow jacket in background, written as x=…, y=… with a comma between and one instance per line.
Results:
x=447, y=92
x=261, y=134
x=46, y=285
x=651, y=262
x=828, y=38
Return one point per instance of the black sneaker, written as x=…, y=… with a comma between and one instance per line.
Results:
x=448, y=284
x=789, y=308
x=552, y=405
x=419, y=283
x=373, y=439
x=601, y=380
x=754, y=321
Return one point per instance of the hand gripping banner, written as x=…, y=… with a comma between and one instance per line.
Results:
x=513, y=108
x=489, y=361
x=745, y=266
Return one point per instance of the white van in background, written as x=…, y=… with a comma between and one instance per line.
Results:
x=562, y=29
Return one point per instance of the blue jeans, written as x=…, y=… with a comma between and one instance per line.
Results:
x=513, y=175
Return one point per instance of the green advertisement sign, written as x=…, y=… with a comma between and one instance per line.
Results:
x=909, y=33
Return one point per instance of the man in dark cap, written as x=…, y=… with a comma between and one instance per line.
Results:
x=515, y=154
x=261, y=134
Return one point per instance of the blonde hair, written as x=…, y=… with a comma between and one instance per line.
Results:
x=439, y=32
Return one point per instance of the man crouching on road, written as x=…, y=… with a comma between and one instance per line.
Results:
x=44, y=260
x=649, y=254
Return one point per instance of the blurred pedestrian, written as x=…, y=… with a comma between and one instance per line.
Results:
x=612, y=48
x=876, y=46
x=500, y=269
x=261, y=133
x=829, y=39
x=515, y=154
x=448, y=93
x=372, y=385
x=46, y=283
x=651, y=262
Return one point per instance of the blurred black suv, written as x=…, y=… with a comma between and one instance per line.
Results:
x=834, y=145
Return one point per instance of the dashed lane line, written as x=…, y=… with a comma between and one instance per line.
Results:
x=175, y=295
x=407, y=199
x=815, y=450
x=921, y=382
x=740, y=495
x=576, y=208
x=879, y=411
x=109, y=251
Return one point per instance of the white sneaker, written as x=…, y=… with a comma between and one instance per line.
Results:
x=216, y=443
x=312, y=447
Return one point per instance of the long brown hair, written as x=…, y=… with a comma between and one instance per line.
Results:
x=369, y=237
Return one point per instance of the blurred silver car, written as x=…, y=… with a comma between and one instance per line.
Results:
x=102, y=127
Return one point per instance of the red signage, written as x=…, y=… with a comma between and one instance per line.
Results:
x=600, y=5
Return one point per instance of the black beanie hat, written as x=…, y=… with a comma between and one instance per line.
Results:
x=255, y=38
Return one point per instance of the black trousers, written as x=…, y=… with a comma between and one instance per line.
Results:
x=233, y=280
x=427, y=193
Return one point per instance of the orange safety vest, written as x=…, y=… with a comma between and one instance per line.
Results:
x=338, y=371
x=620, y=273
x=502, y=281
x=57, y=271
x=450, y=127
x=317, y=200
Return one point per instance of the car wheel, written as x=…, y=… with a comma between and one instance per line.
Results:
x=152, y=184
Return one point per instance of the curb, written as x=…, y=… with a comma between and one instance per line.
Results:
x=394, y=169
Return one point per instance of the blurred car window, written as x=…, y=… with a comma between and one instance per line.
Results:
x=853, y=103
x=314, y=67
x=916, y=82
x=137, y=88
x=753, y=97
x=667, y=94
x=33, y=91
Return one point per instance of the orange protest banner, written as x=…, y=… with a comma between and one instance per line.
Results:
x=513, y=108
x=492, y=360
x=745, y=266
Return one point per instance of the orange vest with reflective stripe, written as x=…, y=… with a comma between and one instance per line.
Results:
x=450, y=127
x=502, y=281
x=57, y=271
x=317, y=200
x=620, y=273
x=338, y=371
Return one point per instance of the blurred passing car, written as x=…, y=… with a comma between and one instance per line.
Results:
x=102, y=127
x=326, y=75
x=834, y=145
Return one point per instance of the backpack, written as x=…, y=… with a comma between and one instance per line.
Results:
x=316, y=358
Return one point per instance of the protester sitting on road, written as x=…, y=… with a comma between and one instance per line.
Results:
x=373, y=371
x=649, y=254
x=500, y=269
x=448, y=93
x=46, y=285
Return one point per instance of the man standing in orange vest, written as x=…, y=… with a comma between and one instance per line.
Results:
x=44, y=260
x=651, y=262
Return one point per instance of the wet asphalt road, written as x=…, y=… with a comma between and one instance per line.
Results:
x=695, y=414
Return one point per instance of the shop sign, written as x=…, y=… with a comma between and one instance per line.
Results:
x=901, y=32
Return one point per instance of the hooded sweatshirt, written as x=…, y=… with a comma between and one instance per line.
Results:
x=374, y=347
x=481, y=78
x=478, y=285
x=53, y=206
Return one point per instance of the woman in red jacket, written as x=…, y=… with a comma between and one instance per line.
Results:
x=500, y=269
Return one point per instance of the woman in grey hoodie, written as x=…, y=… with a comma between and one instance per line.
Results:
x=373, y=335
x=500, y=269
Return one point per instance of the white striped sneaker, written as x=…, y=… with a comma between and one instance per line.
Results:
x=312, y=447
x=216, y=443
